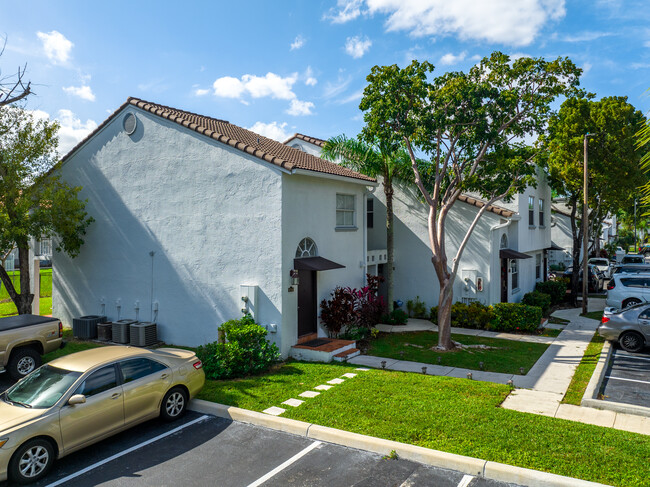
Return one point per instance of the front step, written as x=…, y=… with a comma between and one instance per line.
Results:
x=322, y=353
x=345, y=356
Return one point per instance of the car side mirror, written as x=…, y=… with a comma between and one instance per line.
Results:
x=77, y=399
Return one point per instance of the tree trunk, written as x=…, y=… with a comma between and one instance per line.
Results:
x=444, y=314
x=22, y=300
x=388, y=191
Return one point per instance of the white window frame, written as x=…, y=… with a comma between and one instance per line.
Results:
x=345, y=212
x=514, y=274
x=531, y=211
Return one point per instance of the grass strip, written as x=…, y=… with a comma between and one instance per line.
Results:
x=504, y=356
x=9, y=309
x=584, y=371
x=594, y=315
x=444, y=413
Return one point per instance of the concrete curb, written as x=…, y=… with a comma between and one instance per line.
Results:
x=590, y=398
x=427, y=456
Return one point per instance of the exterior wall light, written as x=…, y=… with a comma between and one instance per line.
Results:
x=294, y=277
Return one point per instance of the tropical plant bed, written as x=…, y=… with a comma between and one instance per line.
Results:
x=497, y=355
x=454, y=415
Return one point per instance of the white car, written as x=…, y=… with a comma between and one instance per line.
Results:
x=602, y=265
x=624, y=290
x=633, y=259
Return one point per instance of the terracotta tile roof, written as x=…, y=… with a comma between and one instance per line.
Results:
x=480, y=203
x=240, y=138
x=306, y=138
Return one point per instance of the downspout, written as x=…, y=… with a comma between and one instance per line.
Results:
x=364, y=266
x=494, y=228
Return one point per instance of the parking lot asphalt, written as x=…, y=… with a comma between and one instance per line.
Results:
x=203, y=450
x=627, y=378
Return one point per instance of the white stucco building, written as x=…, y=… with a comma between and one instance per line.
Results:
x=504, y=259
x=193, y=213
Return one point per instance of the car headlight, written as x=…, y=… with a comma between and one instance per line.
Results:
x=3, y=441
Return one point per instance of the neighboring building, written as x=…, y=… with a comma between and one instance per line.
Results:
x=193, y=213
x=561, y=234
x=504, y=259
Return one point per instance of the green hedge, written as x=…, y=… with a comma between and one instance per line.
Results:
x=555, y=289
x=513, y=317
x=541, y=300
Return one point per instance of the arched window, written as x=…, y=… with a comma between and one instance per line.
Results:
x=504, y=241
x=306, y=248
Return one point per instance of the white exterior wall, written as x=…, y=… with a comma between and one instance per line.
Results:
x=309, y=210
x=562, y=237
x=211, y=214
x=307, y=147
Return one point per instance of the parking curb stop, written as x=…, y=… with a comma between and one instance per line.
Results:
x=468, y=465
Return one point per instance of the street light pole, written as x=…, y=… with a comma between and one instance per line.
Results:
x=635, y=239
x=585, y=231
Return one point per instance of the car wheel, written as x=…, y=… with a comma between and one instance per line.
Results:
x=173, y=404
x=631, y=341
x=629, y=302
x=31, y=461
x=23, y=361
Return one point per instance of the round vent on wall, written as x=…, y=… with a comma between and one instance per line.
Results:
x=129, y=123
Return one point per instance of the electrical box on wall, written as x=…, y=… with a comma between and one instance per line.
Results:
x=469, y=277
x=249, y=299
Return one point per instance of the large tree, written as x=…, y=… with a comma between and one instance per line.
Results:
x=13, y=88
x=389, y=162
x=614, y=173
x=33, y=202
x=469, y=125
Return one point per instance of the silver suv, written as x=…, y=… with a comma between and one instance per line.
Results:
x=624, y=290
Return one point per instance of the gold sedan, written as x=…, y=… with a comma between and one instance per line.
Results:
x=84, y=397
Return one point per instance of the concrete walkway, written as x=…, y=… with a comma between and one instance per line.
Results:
x=542, y=389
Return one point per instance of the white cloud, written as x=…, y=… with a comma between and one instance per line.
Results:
x=72, y=130
x=270, y=85
x=297, y=43
x=353, y=97
x=497, y=21
x=309, y=75
x=335, y=89
x=357, y=46
x=586, y=36
x=57, y=47
x=347, y=10
x=646, y=43
x=586, y=67
x=640, y=65
x=201, y=92
x=298, y=107
x=228, y=87
x=273, y=130
x=84, y=92
x=449, y=58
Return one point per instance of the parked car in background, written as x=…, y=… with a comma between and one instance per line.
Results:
x=602, y=265
x=630, y=327
x=596, y=278
x=82, y=398
x=633, y=259
x=631, y=269
x=624, y=290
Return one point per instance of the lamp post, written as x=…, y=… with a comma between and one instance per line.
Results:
x=585, y=230
x=636, y=247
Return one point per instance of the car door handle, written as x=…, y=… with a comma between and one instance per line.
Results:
x=116, y=395
x=164, y=376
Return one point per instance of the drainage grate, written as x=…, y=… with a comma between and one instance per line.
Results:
x=317, y=342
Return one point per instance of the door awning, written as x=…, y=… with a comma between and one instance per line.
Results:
x=315, y=264
x=554, y=246
x=513, y=254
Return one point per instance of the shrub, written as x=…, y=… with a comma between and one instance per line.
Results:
x=555, y=289
x=338, y=312
x=397, y=317
x=541, y=300
x=458, y=314
x=416, y=308
x=478, y=315
x=246, y=351
x=433, y=315
x=369, y=307
x=355, y=333
x=513, y=317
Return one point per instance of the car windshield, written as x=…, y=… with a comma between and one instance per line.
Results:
x=636, y=259
x=42, y=388
x=599, y=262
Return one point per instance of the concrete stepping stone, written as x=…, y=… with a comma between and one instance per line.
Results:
x=322, y=387
x=349, y=375
x=293, y=402
x=274, y=411
x=362, y=369
x=309, y=394
x=336, y=381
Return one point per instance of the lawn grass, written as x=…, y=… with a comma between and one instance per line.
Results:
x=444, y=413
x=594, y=315
x=558, y=321
x=9, y=309
x=550, y=332
x=584, y=371
x=507, y=357
x=46, y=284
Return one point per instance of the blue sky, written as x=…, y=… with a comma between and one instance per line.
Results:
x=280, y=67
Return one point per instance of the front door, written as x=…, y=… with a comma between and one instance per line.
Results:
x=307, y=306
x=504, y=280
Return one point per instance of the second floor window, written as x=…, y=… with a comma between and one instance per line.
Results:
x=541, y=212
x=531, y=210
x=344, y=210
x=370, y=219
x=514, y=272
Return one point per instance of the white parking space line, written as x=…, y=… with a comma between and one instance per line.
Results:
x=279, y=468
x=126, y=452
x=628, y=380
x=633, y=357
x=464, y=482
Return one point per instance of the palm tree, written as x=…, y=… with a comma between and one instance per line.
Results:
x=377, y=161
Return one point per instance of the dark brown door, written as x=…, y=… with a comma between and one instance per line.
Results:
x=307, y=306
x=504, y=280
x=545, y=267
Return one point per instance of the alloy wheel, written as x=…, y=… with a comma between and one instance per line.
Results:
x=175, y=404
x=33, y=461
x=25, y=365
